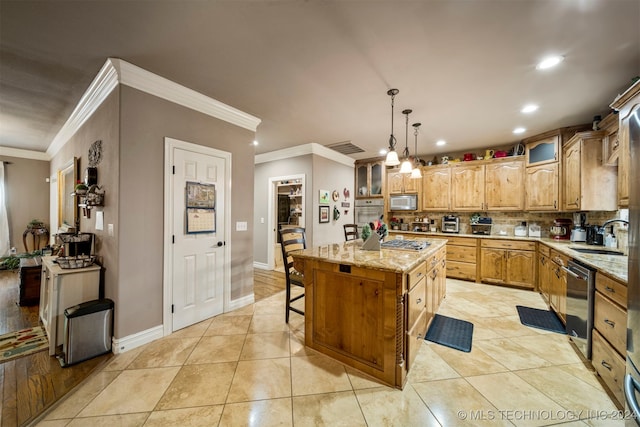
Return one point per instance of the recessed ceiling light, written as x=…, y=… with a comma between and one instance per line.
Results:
x=441, y=142
x=519, y=130
x=549, y=62
x=530, y=108
x=383, y=152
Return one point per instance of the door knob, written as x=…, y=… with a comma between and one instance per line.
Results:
x=220, y=244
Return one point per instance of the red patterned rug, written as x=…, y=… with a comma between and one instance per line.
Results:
x=22, y=343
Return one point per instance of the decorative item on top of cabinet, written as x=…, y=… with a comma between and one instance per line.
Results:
x=588, y=184
x=369, y=178
x=625, y=104
x=610, y=333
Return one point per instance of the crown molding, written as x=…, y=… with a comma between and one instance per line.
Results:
x=161, y=87
x=302, y=150
x=116, y=71
x=101, y=86
x=24, y=154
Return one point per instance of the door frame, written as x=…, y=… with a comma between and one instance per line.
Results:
x=167, y=272
x=272, y=206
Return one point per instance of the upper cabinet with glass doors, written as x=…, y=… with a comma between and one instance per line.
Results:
x=369, y=178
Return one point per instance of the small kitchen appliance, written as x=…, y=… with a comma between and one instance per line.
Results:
x=561, y=229
x=595, y=235
x=481, y=225
x=579, y=232
x=450, y=224
x=406, y=202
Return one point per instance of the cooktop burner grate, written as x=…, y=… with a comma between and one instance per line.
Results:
x=410, y=245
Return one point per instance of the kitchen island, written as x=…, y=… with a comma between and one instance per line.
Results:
x=371, y=309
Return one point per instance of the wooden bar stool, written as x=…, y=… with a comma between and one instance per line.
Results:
x=292, y=239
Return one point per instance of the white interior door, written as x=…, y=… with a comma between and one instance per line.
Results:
x=198, y=255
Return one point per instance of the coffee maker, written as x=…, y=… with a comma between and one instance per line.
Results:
x=579, y=231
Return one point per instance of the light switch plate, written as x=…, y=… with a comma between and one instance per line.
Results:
x=241, y=226
x=110, y=230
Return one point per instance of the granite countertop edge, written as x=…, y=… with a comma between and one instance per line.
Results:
x=615, y=266
x=351, y=253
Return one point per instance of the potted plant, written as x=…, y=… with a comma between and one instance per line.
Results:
x=81, y=188
x=394, y=223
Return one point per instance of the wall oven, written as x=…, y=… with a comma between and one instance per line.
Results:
x=367, y=211
x=580, y=296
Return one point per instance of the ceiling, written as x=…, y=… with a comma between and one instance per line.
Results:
x=319, y=71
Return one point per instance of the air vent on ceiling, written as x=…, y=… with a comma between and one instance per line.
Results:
x=345, y=147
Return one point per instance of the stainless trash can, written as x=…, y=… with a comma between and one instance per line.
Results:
x=88, y=328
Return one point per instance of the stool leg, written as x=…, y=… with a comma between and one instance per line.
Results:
x=287, y=303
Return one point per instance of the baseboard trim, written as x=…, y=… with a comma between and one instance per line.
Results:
x=121, y=345
x=261, y=265
x=240, y=302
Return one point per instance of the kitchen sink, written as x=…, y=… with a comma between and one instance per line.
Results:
x=596, y=251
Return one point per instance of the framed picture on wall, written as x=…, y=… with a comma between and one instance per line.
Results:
x=323, y=197
x=324, y=214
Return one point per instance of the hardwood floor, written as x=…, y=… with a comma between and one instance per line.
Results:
x=31, y=384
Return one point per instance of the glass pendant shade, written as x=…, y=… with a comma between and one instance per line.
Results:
x=415, y=173
x=392, y=155
x=406, y=166
x=392, y=159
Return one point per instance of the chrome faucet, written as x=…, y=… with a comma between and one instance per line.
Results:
x=602, y=227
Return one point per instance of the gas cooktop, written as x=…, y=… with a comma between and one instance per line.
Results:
x=409, y=245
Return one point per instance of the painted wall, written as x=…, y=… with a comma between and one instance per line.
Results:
x=103, y=125
x=330, y=175
x=146, y=120
x=26, y=196
x=300, y=165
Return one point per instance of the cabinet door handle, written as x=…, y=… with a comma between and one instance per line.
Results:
x=419, y=275
x=606, y=365
x=419, y=300
x=555, y=204
x=577, y=199
x=610, y=323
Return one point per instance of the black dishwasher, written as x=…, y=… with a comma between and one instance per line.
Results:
x=580, y=295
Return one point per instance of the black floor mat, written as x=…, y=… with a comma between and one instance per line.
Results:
x=541, y=319
x=451, y=332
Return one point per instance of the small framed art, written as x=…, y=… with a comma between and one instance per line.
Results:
x=324, y=214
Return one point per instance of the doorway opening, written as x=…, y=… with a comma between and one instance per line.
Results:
x=288, y=209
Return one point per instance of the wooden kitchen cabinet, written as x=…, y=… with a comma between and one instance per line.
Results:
x=558, y=284
x=542, y=187
x=587, y=183
x=462, y=258
x=504, y=181
x=544, y=273
x=543, y=159
x=467, y=187
x=626, y=104
x=508, y=262
x=436, y=188
x=610, y=141
x=369, y=178
x=400, y=183
x=61, y=289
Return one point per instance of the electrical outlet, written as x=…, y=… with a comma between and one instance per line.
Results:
x=110, y=230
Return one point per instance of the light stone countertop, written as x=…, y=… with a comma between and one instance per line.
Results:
x=615, y=266
x=351, y=253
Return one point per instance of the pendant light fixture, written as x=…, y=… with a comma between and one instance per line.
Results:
x=416, y=173
x=406, y=166
x=392, y=155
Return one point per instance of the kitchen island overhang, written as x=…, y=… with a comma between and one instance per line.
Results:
x=371, y=309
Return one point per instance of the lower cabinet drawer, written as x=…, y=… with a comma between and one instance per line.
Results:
x=611, y=321
x=461, y=270
x=416, y=301
x=415, y=337
x=462, y=253
x=609, y=365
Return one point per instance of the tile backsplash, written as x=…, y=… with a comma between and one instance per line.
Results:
x=505, y=222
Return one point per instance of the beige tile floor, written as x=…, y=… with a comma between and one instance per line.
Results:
x=249, y=368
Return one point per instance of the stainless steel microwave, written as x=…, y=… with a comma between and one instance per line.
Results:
x=405, y=202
